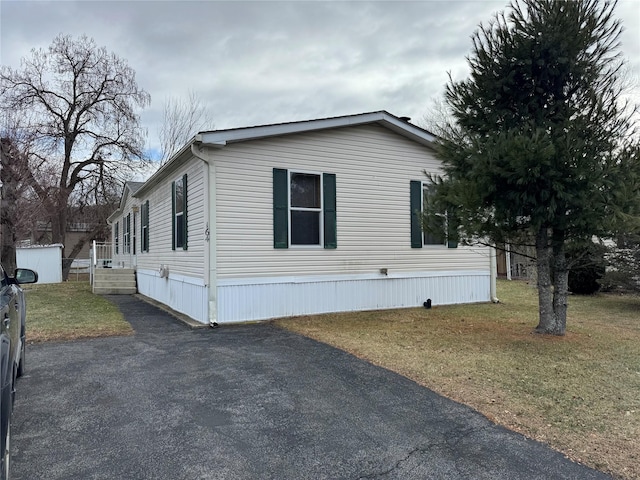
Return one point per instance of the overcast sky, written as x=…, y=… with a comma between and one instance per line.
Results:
x=266, y=62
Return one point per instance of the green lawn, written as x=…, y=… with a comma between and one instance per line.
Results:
x=67, y=311
x=579, y=393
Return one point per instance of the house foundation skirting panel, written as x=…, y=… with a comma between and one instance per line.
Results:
x=263, y=298
x=186, y=295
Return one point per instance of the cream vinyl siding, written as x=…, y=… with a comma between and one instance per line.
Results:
x=188, y=262
x=373, y=168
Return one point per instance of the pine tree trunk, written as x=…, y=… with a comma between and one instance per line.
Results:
x=560, y=284
x=545, y=293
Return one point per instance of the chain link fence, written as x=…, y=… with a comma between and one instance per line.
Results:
x=80, y=270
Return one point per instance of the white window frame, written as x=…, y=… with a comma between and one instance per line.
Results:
x=426, y=185
x=320, y=210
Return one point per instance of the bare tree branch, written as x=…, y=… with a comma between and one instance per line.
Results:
x=182, y=119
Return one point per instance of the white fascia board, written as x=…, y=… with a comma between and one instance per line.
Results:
x=126, y=192
x=112, y=217
x=222, y=137
x=411, y=131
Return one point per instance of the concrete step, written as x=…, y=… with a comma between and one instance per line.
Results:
x=114, y=273
x=116, y=284
x=114, y=290
x=114, y=281
x=121, y=270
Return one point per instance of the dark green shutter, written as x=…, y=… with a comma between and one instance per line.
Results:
x=148, y=227
x=416, y=211
x=280, y=208
x=173, y=215
x=184, y=211
x=145, y=223
x=329, y=192
x=142, y=228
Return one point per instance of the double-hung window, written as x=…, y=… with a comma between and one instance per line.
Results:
x=304, y=209
x=179, y=213
x=305, y=200
x=434, y=231
x=428, y=227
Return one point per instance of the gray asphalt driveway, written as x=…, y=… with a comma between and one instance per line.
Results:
x=249, y=402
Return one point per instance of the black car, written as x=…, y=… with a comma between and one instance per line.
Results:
x=12, y=350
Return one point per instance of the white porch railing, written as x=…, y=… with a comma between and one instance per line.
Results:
x=100, y=256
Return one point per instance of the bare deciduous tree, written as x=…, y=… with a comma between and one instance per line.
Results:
x=78, y=104
x=182, y=118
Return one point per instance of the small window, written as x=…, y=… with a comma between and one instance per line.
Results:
x=428, y=230
x=179, y=218
x=433, y=232
x=305, y=208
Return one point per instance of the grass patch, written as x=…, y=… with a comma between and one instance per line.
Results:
x=69, y=311
x=578, y=393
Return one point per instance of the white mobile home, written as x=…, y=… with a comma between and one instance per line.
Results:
x=296, y=218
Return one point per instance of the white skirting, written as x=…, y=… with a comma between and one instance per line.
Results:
x=250, y=299
x=186, y=295
x=263, y=298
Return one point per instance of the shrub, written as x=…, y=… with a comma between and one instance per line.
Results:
x=623, y=265
x=587, y=266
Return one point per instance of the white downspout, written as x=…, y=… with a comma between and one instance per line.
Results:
x=210, y=234
x=493, y=267
x=508, y=259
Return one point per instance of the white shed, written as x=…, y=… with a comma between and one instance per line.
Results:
x=44, y=259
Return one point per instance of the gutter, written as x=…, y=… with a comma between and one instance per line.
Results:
x=210, y=231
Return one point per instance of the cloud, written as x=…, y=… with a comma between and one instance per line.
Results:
x=258, y=62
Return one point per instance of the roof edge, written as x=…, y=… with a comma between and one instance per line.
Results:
x=220, y=138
